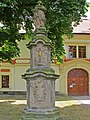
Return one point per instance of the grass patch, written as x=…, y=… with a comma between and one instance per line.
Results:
x=13, y=97
x=9, y=111
x=75, y=112
x=63, y=98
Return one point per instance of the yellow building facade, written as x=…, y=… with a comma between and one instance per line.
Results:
x=11, y=81
x=75, y=70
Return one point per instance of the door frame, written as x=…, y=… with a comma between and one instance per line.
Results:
x=87, y=80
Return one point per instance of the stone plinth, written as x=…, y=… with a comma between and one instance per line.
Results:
x=50, y=114
x=40, y=96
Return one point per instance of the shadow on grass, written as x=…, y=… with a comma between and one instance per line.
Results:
x=12, y=97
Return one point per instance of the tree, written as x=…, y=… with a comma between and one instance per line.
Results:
x=59, y=17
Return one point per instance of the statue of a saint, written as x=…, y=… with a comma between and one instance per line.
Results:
x=39, y=16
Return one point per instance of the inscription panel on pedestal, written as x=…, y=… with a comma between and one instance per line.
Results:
x=40, y=55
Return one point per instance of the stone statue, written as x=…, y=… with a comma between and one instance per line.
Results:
x=39, y=15
x=40, y=77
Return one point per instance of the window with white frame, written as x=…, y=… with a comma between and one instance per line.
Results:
x=5, y=81
x=77, y=51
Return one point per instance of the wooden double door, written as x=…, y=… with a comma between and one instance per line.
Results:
x=78, y=82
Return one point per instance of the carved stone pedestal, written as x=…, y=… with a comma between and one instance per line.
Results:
x=40, y=95
x=50, y=114
x=40, y=88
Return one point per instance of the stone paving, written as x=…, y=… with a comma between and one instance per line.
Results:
x=77, y=100
x=57, y=103
x=83, y=99
x=62, y=104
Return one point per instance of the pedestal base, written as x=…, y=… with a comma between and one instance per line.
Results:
x=52, y=114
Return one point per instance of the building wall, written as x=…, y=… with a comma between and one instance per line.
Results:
x=84, y=63
x=18, y=67
x=4, y=70
x=20, y=84
x=24, y=51
x=21, y=64
x=16, y=83
x=66, y=67
x=56, y=67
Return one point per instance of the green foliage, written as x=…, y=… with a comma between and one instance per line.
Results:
x=9, y=50
x=59, y=17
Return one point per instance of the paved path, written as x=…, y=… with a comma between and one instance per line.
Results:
x=60, y=104
x=76, y=101
x=83, y=99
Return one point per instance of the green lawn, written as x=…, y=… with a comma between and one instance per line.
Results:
x=9, y=111
x=75, y=112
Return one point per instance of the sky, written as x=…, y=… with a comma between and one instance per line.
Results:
x=88, y=0
x=88, y=14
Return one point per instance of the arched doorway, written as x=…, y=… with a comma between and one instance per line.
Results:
x=77, y=82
